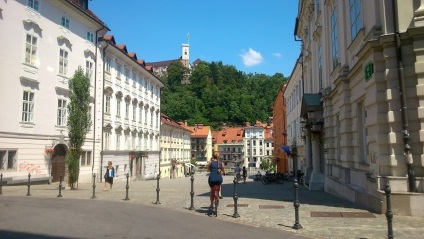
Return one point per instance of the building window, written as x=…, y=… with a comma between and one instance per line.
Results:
x=63, y=62
x=320, y=67
x=133, y=142
x=318, y=6
x=107, y=104
x=118, y=107
x=127, y=109
x=118, y=71
x=28, y=106
x=334, y=38
x=118, y=141
x=107, y=65
x=127, y=141
x=7, y=159
x=34, y=4
x=140, y=113
x=61, y=112
x=85, y=158
x=89, y=69
x=64, y=22
x=107, y=140
x=90, y=37
x=31, y=49
x=127, y=76
x=355, y=17
x=134, y=113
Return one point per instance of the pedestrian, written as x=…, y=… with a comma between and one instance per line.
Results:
x=238, y=169
x=244, y=174
x=109, y=175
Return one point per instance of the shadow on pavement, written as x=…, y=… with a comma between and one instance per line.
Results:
x=14, y=234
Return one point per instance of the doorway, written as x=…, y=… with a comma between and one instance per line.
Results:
x=58, y=162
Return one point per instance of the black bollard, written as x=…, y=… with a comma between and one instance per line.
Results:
x=235, y=197
x=29, y=184
x=1, y=184
x=296, y=206
x=60, y=186
x=94, y=186
x=157, y=189
x=127, y=187
x=389, y=214
x=192, y=193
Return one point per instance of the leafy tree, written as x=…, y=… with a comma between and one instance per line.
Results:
x=79, y=121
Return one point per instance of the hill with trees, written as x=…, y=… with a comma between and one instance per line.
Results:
x=218, y=94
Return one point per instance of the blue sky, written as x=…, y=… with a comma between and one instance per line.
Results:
x=254, y=36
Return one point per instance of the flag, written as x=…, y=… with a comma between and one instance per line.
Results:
x=286, y=149
x=188, y=36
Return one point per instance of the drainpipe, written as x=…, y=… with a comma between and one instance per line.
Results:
x=95, y=103
x=404, y=111
x=103, y=107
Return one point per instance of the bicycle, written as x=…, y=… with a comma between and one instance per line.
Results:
x=216, y=190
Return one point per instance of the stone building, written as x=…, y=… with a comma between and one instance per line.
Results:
x=131, y=113
x=175, y=147
x=362, y=99
x=43, y=44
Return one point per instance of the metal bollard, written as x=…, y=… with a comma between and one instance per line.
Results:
x=29, y=184
x=235, y=197
x=1, y=184
x=389, y=214
x=127, y=187
x=60, y=185
x=192, y=194
x=94, y=186
x=296, y=206
x=157, y=190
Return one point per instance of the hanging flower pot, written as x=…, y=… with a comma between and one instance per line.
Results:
x=49, y=151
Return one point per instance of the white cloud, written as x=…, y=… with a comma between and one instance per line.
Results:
x=277, y=54
x=251, y=58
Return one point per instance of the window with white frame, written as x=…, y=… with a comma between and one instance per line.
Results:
x=63, y=62
x=134, y=113
x=355, y=17
x=145, y=115
x=85, y=158
x=127, y=109
x=64, y=22
x=152, y=116
x=127, y=141
x=31, y=49
x=118, y=71
x=7, y=159
x=140, y=113
x=134, y=79
x=107, y=140
x=133, y=141
x=118, y=107
x=61, y=112
x=127, y=76
x=34, y=4
x=118, y=140
x=334, y=38
x=107, y=104
x=107, y=65
x=90, y=37
x=89, y=69
x=28, y=106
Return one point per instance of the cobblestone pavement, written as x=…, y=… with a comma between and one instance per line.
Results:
x=320, y=214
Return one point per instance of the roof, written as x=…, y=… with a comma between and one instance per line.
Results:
x=229, y=135
x=164, y=119
x=161, y=63
x=199, y=131
x=88, y=12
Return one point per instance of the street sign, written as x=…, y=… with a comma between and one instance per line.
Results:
x=369, y=71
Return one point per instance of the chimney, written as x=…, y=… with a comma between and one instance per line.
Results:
x=185, y=123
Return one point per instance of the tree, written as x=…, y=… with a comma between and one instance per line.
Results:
x=79, y=121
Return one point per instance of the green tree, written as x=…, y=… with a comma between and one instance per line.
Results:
x=79, y=121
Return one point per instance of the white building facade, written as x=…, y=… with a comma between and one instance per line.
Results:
x=46, y=42
x=362, y=103
x=131, y=110
x=254, y=145
x=175, y=147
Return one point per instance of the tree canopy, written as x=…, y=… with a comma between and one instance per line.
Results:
x=218, y=94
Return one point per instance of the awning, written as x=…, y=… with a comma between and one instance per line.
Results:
x=286, y=149
x=310, y=102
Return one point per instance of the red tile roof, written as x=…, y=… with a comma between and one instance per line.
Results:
x=230, y=135
x=166, y=120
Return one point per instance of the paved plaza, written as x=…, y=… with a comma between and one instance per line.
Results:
x=270, y=206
